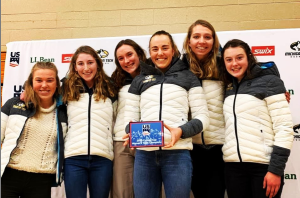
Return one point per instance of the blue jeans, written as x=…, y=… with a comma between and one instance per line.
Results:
x=172, y=167
x=82, y=171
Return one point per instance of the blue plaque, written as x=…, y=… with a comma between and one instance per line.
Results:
x=146, y=134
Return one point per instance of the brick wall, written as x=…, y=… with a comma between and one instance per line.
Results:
x=60, y=19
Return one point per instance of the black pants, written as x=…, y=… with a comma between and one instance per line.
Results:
x=208, y=172
x=246, y=180
x=16, y=183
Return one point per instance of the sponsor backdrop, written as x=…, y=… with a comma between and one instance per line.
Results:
x=281, y=46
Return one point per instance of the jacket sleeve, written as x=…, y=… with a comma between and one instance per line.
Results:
x=199, y=112
x=281, y=117
x=132, y=108
x=115, y=107
x=5, y=111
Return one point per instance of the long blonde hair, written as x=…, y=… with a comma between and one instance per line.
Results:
x=32, y=98
x=103, y=86
x=207, y=68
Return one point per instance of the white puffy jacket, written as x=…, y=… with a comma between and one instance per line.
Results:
x=168, y=97
x=214, y=134
x=90, y=127
x=119, y=130
x=258, y=120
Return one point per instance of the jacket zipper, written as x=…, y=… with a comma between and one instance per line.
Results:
x=235, y=125
x=160, y=101
x=89, y=127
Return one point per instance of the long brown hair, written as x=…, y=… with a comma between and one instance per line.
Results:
x=31, y=97
x=207, y=68
x=103, y=86
x=119, y=75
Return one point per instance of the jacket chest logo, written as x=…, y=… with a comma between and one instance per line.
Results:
x=149, y=78
x=229, y=87
x=20, y=105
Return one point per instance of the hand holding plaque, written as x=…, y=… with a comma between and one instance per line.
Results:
x=146, y=134
x=176, y=134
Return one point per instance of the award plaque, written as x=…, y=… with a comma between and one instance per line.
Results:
x=146, y=134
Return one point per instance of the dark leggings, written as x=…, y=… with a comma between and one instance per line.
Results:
x=15, y=183
x=246, y=180
x=208, y=172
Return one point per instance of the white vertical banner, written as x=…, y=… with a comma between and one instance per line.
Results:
x=280, y=45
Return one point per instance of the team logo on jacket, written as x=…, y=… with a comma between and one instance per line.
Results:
x=295, y=46
x=297, y=132
x=229, y=87
x=19, y=105
x=263, y=50
x=149, y=78
x=14, y=59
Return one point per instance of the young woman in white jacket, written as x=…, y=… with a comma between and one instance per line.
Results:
x=128, y=55
x=90, y=97
x=32, y=136
x=258, y=129
x=201, y=48
x=166, y=92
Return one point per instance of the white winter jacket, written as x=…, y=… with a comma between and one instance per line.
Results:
x=258, y=120
x=214, y=134
x=168, y=97
x=90, y=127
x=119, y=130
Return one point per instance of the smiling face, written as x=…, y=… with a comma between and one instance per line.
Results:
x=44, y=85
x=128, y=59
x=201, y=41
x=86, y=66
x=236, y=62
x=161, y=51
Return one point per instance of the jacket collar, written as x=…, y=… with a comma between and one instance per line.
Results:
x=176, y=65
x=261, y=69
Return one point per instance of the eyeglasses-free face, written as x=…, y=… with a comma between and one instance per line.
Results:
x=161, y=51
x=236, y=62
x=86, y=66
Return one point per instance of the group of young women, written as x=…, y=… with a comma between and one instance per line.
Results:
x=227, y=123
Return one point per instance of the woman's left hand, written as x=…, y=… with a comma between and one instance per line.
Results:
x=175, y=135
x=272, y=183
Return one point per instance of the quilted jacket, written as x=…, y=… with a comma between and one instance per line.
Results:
x=14, y=116
x=214, y=94
x=90, y=126
x=258, y=119
x=123, y=94
x=168, y=97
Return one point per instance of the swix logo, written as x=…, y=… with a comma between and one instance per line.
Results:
x=263, y=50
x=66, y=58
